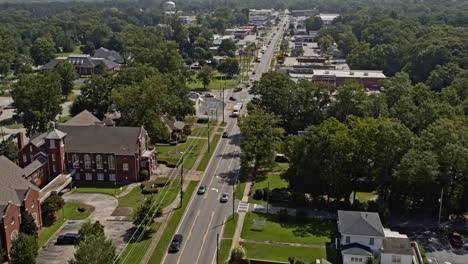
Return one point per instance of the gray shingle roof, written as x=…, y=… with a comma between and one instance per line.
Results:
x=397, y=245
x=108, y=54
x=101, y=139
x=14, y=186
x=55, y=134
x=360, y=223
x=85, y=118
x=356, y=249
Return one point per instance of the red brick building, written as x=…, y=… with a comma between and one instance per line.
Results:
x=90, y=151
x=16, y=194
x=369, y=79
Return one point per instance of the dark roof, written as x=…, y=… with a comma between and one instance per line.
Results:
x=13, y=187
x=111, y=55
x=356, y=249
x=85, y=118
x=397, y=245
x=360, y=223
x=33, y=166
x=80, y=60
x=101, y=139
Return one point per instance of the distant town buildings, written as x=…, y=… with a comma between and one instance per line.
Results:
x=369, y=79
x=306, y=13
x=259, y=17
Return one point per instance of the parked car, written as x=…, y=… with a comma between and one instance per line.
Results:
x=224, y=197
x=456, y=240
x=281, y=158
x=68, y=239
x=201, y=189
x=232, y=98
x=237, y=89
x=225, y=134
x=10, y=106
x=209, y=95
x=253, y=72
x=12, y=136
x=176, y=242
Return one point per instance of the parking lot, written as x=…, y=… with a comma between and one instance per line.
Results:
x=115, y=229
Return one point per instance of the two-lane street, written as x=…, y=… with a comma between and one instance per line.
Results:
x=206, y=215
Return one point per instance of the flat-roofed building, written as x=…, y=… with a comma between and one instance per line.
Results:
x=369, y=79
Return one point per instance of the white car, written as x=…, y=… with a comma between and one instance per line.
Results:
x=224, y=197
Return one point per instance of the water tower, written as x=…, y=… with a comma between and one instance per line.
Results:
x=169, y=6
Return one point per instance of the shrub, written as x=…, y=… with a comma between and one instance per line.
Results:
x=301, y=216
x=49, y=207
x=258, y=195
x=280, y=194
x=144, y=175
x=266, y=193
x=81, y=209
x=161, y=181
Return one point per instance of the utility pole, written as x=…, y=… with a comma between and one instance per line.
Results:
x=222, y=101
x=233, y=196
x=208, y=133
x=217, y=248
x=440, y=201
x=181, y=181
x=268, y=195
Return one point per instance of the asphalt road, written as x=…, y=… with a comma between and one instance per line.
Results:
x=206, y=215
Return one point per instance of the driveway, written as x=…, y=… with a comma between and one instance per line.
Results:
x=117, y=230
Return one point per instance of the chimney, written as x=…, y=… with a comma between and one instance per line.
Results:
x=20, y=138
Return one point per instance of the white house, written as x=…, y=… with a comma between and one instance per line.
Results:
x=362, y=236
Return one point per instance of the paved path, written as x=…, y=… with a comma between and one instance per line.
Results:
x=129, y=189
x=282, y=243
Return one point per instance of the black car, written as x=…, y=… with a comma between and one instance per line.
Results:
x=201, y=189
x=176, y=242
x=68, y=239
x=232, y=98
x=225, y=134
x=253, y=72
x=237, y=89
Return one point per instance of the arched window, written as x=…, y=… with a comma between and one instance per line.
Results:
x=32, y=204
x=12, y=220
x=111, y=162
x=99, y=162
x=87, y=161
x=75, y=161
x=14, y=235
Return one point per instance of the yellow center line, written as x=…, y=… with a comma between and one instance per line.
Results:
x=204, y=237
x=222, y=186
x=188, y=237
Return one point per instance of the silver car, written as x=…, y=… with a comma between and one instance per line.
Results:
x=224, y=197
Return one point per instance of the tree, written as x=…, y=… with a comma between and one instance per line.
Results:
x=348, y=101
x=325, y=43
x=313, y=23
x=89, y=229
x=67, y=74
x=9, y=149
x=346, y=42
x=42, y=51
x=360, y=56
x=28, y=225
x=95, y=249
x=261, y=138
x=237, y=254
x=100, y=69
x=204, y=75
x=227, y=47
x=38, y=97
x=442, y=76
x=230, y=67
x=95, y=96
x=9, y=48
x=88, y=48
x=50, y=206
x=143, y=213
x=24, y=249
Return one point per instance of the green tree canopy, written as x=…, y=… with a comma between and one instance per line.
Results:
x=67, y=74
x=42, y=51
x=24, y=249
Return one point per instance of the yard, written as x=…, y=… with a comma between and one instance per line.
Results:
x=313, y=231
x=111, y=189
x=11, y=124
x=271, y=180
x=76, y=50
x=136, y=249
x=283, y=252
x=172, y=154
x=69, y=211
x=201, y=131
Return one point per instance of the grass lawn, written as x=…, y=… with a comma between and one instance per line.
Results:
x=364, y=197
x=78, y=86
x=314, y=231
x=282, y=253
x=240, y=190
x=207, y=156
x=110, y=189
x=76, y=50
x=224, y=250
x=215, y=84
x=273, y=179
x=201, y=131
x=230, y=226
x=70, y=211
x=135, y=250
x=11, y=124
x=134, y=198
x=72, y=97
x=220, y=129
x=171, y=227
x=64, y=119
x=189, y=158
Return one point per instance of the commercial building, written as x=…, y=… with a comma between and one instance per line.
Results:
x=305, y=13
x=369, y=79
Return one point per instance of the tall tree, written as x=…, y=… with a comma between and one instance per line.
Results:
x=38, y=97
x=9, y=149
x=95, y=249
x=349, y=100
x=24, y=249
x=325, y=43
x=230, y=67
x=313, y=23
x=204, y=75
x=42, y=51
x=28, y=225
x=89, y=229
x=67, y=74
x=227, y=47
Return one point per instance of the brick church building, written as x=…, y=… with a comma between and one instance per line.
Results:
x=90, y=150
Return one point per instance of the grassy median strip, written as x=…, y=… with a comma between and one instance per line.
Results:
x=135, y=250
x=224, y=250
x=206, y=158
x=240, y=190
x=230, y=227
x=69, y=211
x=228, y=234
x=171, y=227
